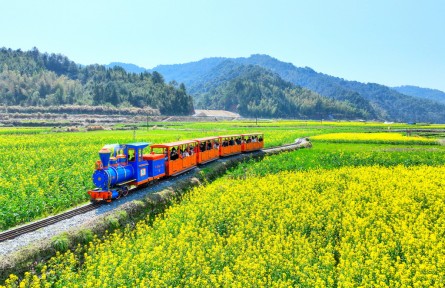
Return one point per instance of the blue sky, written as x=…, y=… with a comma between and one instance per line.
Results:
x=388, y=42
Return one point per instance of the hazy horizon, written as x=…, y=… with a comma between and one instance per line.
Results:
x=393, y=43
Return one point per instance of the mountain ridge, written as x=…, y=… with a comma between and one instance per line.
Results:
x=130, y=68
x=380, y=102
x=254, y=91
x=421, y=92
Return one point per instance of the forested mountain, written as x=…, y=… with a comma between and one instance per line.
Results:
x=253, y=91
x=426, y=93
x=378, y=101
x=32, y=78
x=387, y=103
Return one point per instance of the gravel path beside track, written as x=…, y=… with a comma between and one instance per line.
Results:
x=12, y=245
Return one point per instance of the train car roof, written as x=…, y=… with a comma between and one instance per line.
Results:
x=138, y=145
x=165, y=145
x=254, y=133
x=230, y=136
x=206, y=138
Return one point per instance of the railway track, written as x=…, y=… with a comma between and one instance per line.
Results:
x=278, y=147
x=13, y=233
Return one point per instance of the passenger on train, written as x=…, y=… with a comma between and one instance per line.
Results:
x=215, y=145
x=202, y=147
x=174, y=154
x=231, y=142
x=249, y=140
x=238, y=141
x=185, y=154
x=261, y=139
x=209, y=145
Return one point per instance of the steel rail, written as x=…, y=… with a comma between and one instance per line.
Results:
x=13, y=233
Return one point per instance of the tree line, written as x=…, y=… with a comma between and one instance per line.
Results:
x=31, y=78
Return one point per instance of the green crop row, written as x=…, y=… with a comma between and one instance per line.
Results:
x=336, y=155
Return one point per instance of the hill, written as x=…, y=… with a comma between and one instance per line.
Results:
x=425, y=93
x=378, y=101
x=253, y=91
x=32, y=78
x=387, y=103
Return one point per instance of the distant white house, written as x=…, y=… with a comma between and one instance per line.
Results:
x=215, y=113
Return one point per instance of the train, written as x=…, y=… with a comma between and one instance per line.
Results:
x=122, y=168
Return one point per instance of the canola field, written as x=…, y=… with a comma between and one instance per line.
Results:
x=389, y=138
x=42, y=173
x=349, y=212
x=347, y=227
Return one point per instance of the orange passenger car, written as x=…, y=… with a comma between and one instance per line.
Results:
x=229, y=145
x=252, y=141
x=179, y=156
x=207, y=149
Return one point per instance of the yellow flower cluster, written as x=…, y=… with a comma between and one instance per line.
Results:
x=390, y=138
x=347, y=227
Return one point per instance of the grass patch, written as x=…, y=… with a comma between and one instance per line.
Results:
x=61, y=242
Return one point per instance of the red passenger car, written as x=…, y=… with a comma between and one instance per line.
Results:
x=229, y=145
x=207, y=149
x=252, y=141
x=179, y=156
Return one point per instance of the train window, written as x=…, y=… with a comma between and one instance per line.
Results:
x=174, y=153
x=139, y=155
x=131, y=156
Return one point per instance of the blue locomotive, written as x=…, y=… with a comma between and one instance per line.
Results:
x=123, y=167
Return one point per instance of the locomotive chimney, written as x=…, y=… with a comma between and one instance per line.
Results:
x=104, y=155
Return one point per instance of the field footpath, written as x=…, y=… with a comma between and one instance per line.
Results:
x=25, y=252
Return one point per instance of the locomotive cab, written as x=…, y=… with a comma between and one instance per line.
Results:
x=134, y=154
